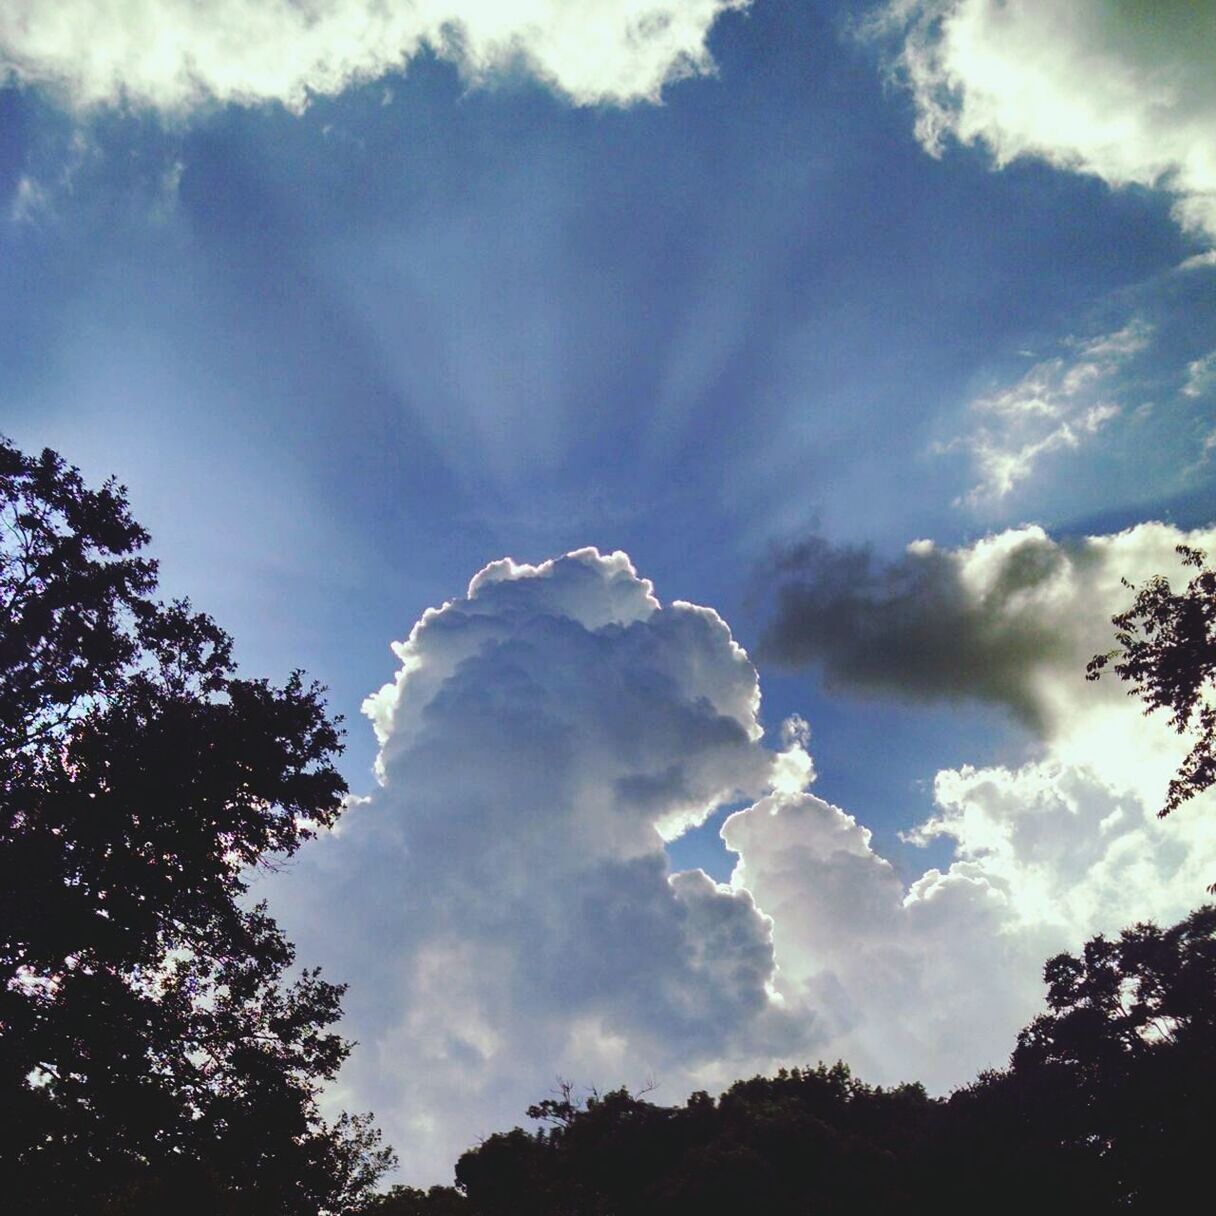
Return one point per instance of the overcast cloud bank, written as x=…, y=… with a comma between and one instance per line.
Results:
x=504, y=906
x=172, y=55
x=1122, y=91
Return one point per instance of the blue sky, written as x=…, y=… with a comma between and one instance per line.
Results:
x=345, y=354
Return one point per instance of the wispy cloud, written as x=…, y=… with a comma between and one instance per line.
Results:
x=30, y=200
x=1200, y=376
x=177, y=54
x=36, y=193
x=1057, y=405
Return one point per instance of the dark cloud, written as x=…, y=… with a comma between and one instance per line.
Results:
x=924, y=627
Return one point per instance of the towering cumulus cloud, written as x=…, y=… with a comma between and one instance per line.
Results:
x=504, y=907
x=504, y=898
x=172, y=54
x=1122, y=90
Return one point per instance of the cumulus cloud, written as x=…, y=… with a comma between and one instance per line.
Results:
x=504, y=899
x=174, y=54
x=1011, y=619
x=1123, y=91
x=935, y=978
x=503, y=903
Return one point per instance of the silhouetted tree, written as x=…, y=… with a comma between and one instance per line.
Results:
x=154, y=1053
x=1167, y=651
x=1110, y=1095
x=411, y=1201
x=805, y=1140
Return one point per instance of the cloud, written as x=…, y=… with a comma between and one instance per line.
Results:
x=1011, y=619
x=505, y=911
x=35, y=196
x=935, y=978
x=1055, y=406
x=503, y=900
x=172, y=55
x=1122, y=91
x=30, y=200
x=1198, y=261
x=1200, y=376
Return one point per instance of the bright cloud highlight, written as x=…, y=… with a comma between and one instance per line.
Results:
x=1123, y=91
x=172, y=55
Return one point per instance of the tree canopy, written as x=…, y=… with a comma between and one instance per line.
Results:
x=1167, y=652
x=153, y=1039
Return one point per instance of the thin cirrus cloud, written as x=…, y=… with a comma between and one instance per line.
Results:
x=1200, y=376
x=1122, y=91
x=1058, y=405
x=172, y=55
x=505, y=909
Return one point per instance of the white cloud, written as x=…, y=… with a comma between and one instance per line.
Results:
x=502, y=903
x=1200, y=376
x=30, y=199
x=1198, y=261
x=933, y=981
x=503, y=906
x=36, y=195
x=1123, y=91
x=1057, y=405
x=174, y=54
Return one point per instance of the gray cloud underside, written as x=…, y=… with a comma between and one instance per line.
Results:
x=1008, y=620
x=911, y=627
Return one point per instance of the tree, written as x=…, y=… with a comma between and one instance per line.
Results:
x=411, y=1201
x=154, y=1050
x=1114, y=1087
x=807, y=1140
x=1167, y=650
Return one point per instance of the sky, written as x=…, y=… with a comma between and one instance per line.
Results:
x=699, y=444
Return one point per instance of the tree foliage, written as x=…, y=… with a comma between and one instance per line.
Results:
x=1167, y=652
x=152, y=1040
x=1111, y=1093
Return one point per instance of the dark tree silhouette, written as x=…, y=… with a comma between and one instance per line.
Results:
x=1167, y=651
x=813, y=1139
x=1110, y=1094
x=154, y=1051
x=411, y=1201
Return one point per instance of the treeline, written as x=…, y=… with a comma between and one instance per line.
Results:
x=1108, y=1105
